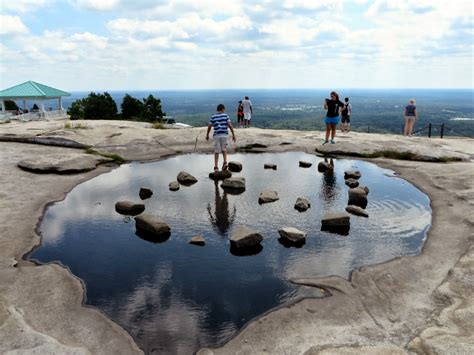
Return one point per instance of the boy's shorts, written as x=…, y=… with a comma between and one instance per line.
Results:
x=220, y=143
x=333, y=120
x=346, y=119
x=240, y=118
x=247, y=116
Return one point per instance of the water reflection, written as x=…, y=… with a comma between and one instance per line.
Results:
x=174, y=297
x=221, y=218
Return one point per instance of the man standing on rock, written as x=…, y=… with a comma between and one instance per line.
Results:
x=221, y=124
x=248, y=111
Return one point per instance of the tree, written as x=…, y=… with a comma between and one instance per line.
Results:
x=76, y=110
x=100, y=107
x=131, y=107
x=11, y=105
x=152, y=109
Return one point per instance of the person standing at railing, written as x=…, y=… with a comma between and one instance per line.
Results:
x=411, y=115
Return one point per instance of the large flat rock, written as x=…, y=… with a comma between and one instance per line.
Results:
x=64, y=163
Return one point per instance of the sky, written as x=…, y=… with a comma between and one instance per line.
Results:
x=218, y=44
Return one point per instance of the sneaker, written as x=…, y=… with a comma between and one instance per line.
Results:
x=325, y=142
x=332, y=141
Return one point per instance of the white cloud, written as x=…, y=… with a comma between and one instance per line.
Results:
x=11, y=25
x=99, y=5
x=23, y=5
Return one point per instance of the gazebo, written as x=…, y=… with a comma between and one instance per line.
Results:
x=34, y=91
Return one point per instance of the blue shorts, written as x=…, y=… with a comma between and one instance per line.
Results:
x=334, y=120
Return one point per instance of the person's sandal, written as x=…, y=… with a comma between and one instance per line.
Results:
x=216, y=169
x=225, y=166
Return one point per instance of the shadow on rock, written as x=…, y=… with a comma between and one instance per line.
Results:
x=246, y=251
x=341, y=230
x=289, y=244
x=152, y=238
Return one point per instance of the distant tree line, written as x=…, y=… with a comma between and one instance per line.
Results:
x=97, y=106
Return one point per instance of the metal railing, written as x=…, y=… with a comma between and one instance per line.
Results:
x=32, y=116
x=431, y=127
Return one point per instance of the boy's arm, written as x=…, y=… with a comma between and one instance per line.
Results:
x=229, y=124
x=209, y=126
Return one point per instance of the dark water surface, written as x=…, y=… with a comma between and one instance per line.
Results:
x=174, y=297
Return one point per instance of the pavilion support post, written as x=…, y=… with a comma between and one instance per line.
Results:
x=24, y=104
x=3, y=105
x=60, y=103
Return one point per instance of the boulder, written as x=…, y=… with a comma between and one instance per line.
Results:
x=305, y=164
x=356, y=210
x=324, y=166
x=237, y=183
x=302, y=204
x=174, y=186
x=268, y=196
x=151, y=224
x=63, y=163
x=293, y=235
x=220, y=175
x=235, y=166
x=358, y=197
x=352, y=182
x=354, y=174
x=186, y=179
x=336, y=222
x=244, y=237
x=197, y=240
x=365, y=188
x=129, y=208
x=270, y=166
x=145, y=193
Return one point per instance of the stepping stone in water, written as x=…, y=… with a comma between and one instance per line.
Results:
x=352, y=182
x=358, y=197
x=244, y=238
x=336, y=222
x=268, y=196
x=174, y=186
x=354, y=174
x=220, y=175
x=302, y=204
x=186, y=179
x=152, y=225
x=236, y=183
x=305, y=164
x=356, y=210
x=197, y=240
x=292, y=235
x=235, y=166
x=270, y=166
x=129, y=208
x=324, y=166
x=145, y=193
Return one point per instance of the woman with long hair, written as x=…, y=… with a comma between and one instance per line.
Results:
x=334, y=108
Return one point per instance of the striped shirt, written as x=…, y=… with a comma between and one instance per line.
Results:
x=219, y=122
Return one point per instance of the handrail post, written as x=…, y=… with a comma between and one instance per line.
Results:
x=442, y=130
x=429, y=130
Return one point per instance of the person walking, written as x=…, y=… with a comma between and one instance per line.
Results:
x=221, y=124
x=346, y=116
x=334, y=107
x=240, y=115
x=411, y=115
x=248, y=111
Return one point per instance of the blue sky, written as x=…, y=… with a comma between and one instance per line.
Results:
x=210, y=44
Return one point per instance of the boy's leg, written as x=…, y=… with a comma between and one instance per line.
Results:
x=216, y=160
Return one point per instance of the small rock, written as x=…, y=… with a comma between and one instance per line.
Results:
x=197, y=240
x=237, y=183
x=324, y=166
x=245, y=237
x=302, y=204
x=292, y=234
x=220, y=175
x=268, y=196
x=270, y=166
x=354, y=174
x=357, y=211
x=365, y=188
x=305, y=164
x=129, y=208
x=174, y=186
x=145, y=193
x=151, y=224
x=186, y=179
x=235, y=166
x=335, y=219
x=358, y=197
x=352, y=182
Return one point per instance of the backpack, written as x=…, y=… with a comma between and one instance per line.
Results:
x=345, y=110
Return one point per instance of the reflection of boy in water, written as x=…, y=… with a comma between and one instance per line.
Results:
x=221, y=217
x=329, y=182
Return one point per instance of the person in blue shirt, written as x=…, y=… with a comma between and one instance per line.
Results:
x=410, y=117
x=221, y=124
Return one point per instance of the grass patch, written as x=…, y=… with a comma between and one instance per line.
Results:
x=115, y=157
x=391, y=154
x=157, y=125
x=444, y=159
x=70, y=125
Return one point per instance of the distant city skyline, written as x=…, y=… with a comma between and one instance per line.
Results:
x=79, y=45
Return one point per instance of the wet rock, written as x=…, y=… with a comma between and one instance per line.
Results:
x=245, y=238
x=365, y=188
x=174, y=186
x=358, y=197
x=197, y=240
x=268, y=196
x=336, y=222
x=293, y=235
x=220, y=175
x=152, y=238
x=129, y=208
x=324, y=166
x=352, y=182
x=67, y=163
x=246, y=251
x=305, y=164
x=270, y=166
x=236, y=183
x=302, y=204
x=352, y=174
x=356, y=210
x=235, y=166
x=145, y=193
x=186, y=179
x=151, y=224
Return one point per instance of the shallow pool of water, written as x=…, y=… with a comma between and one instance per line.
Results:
x=176, y=297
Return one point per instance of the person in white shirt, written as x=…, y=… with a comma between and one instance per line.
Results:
x=346, y=114
x=248, y=111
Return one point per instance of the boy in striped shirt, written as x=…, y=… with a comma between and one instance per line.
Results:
x=221, y=123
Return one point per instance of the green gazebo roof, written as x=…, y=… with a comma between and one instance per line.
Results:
x=31, y=89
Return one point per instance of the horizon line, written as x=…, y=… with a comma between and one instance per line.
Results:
x=269, y=89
